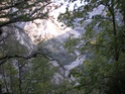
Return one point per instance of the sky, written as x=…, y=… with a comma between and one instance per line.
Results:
x=65, y=4
x=71, y=5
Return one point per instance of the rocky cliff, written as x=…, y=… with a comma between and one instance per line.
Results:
x=45, y=35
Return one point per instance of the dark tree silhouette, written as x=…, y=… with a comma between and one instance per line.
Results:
x=12, y=11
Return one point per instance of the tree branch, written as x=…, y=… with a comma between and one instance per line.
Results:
x=32, y=55
x=26, y=10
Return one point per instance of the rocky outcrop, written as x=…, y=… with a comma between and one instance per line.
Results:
x=46, y=35
x=15, y=37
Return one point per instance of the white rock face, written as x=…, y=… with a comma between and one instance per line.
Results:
x=53, y=35
x=46, y=29
x=16, y=36
x=41, y=30
x=49, y=36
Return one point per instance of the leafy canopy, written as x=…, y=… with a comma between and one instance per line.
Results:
x=104, y=36
x=12, y=11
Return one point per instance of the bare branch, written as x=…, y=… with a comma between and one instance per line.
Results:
x=32, y=55
x=22, y=11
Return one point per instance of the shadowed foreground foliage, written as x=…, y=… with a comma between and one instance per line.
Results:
x=104, y=45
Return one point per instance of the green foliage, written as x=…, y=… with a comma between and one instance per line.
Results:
x=39, y=75
x=22, y=11
x=71, y=43
x=102, y=72
x=28, y=77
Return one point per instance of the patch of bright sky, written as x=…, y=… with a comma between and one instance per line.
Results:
x=66, y=4
x=71, y=5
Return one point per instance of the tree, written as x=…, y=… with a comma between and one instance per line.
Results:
x=22, y=72
x=27, y=77
x=103, y=69
x=12, y=11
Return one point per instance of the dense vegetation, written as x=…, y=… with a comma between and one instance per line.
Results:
x=104, y=44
